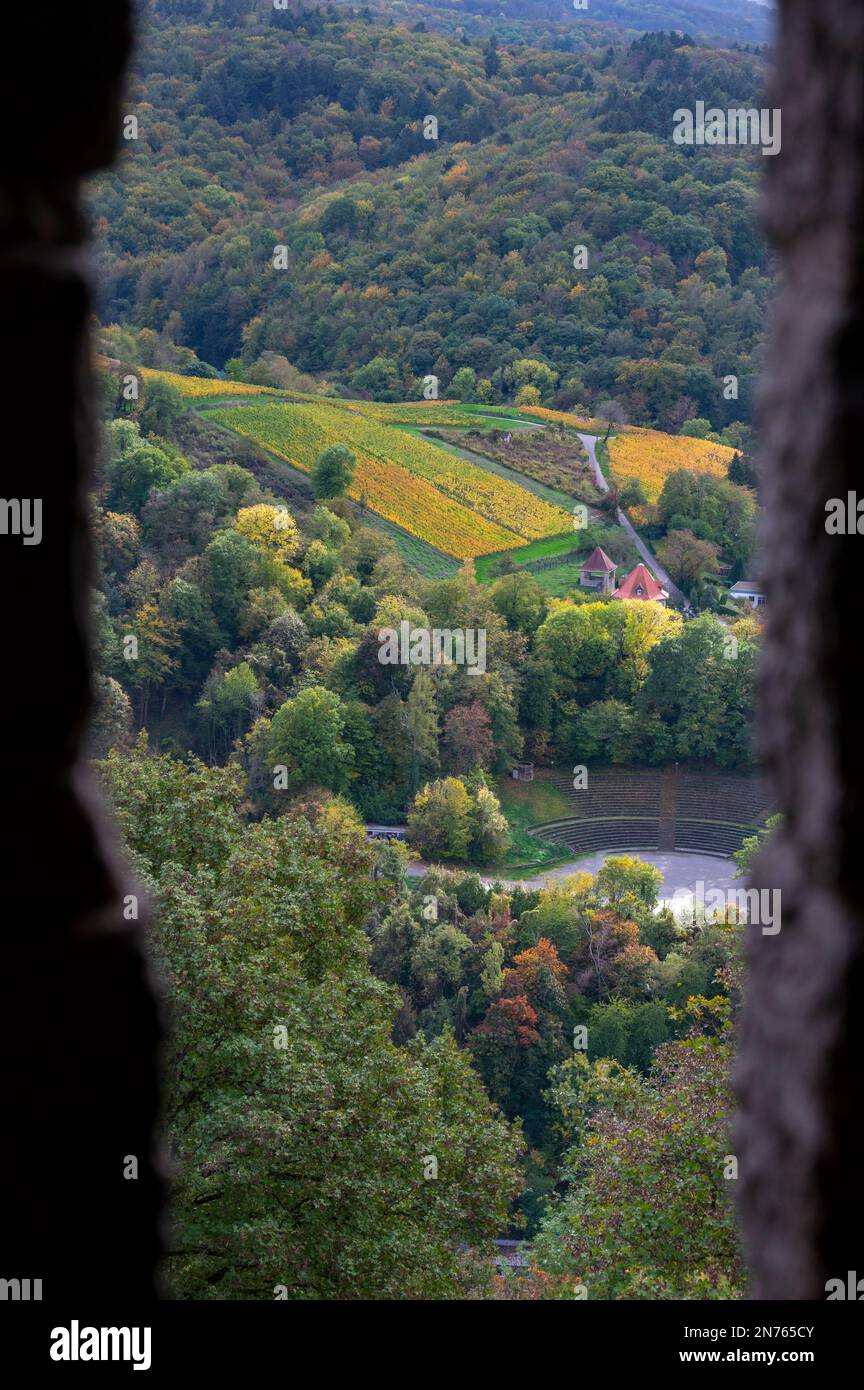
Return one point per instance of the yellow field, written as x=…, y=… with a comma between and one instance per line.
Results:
x=650, y=456
x=399, y=413
x=495, y=498
x=199, y=387
x=501, y=510
x=459, y=508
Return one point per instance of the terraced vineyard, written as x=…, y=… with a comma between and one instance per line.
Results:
x=642, y=454
x=465, y=511
x=460, y=509
x=541, y=456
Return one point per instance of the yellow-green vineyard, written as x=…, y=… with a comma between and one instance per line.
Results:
x=198, y=388
x=201, y=387
x=453, y=505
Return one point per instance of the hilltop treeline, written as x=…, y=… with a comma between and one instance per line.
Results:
x=409, y=256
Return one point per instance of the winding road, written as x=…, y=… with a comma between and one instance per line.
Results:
x=590, y=443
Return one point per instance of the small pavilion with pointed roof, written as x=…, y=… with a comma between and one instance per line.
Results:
x=597, y=572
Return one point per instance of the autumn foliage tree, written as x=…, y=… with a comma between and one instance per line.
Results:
x=648, y=1213
x=300, y=1134
x=610, y=958
x=451, y=820
x=522, y=1035
x=468, y=739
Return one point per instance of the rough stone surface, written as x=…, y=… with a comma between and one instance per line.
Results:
x=79, y=1021
x=799, y=1078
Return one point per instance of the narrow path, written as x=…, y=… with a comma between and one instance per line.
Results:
x=507, y=420
x=590, y=442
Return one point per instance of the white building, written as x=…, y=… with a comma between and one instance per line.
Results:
x=745, y=588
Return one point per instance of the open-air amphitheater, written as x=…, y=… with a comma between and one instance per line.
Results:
x=662, y=808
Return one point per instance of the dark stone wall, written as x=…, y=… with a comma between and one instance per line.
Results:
x=78, y=1018
x=799, y=1077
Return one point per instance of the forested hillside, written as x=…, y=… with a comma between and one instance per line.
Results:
x=408, y=256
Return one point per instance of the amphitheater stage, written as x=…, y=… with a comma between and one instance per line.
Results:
x=681, y=872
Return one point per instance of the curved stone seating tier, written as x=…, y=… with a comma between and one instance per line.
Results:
x=665, y=808
x=612, y=833
x=746, y=798
x=712, y=837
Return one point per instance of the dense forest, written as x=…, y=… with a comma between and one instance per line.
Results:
x=382, y=1058
x=407, y=256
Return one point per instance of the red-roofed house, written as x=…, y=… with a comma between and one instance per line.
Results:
x=640, y=583
x=597, y=572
